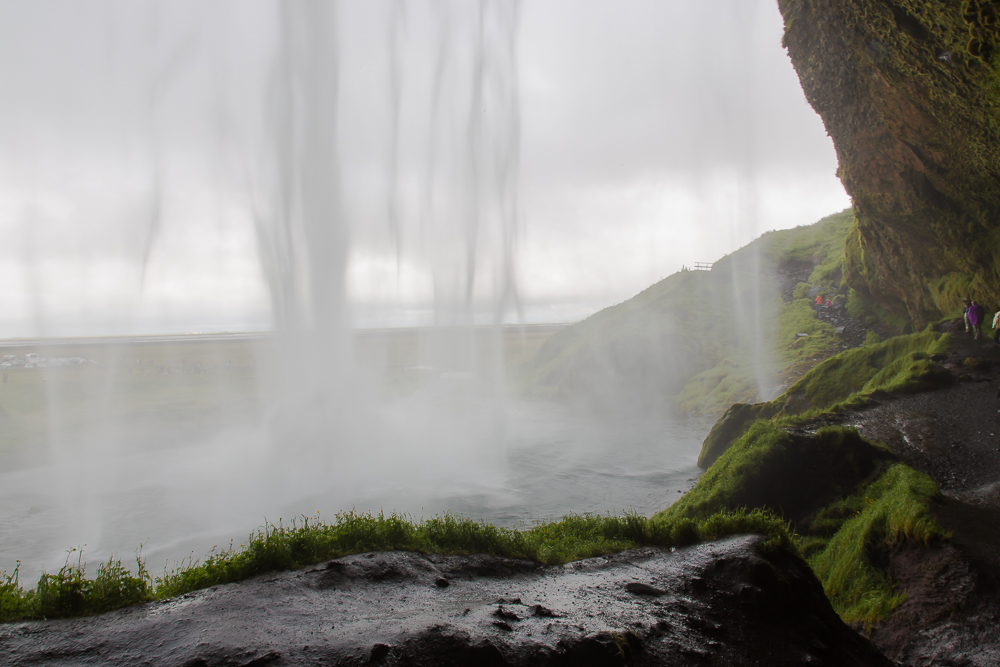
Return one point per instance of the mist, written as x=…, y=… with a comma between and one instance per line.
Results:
x=322, y=174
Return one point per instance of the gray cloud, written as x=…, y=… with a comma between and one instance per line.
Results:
x=653, y=134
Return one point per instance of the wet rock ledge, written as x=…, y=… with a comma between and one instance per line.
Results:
x=728, y=602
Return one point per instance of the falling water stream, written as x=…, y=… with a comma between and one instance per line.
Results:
x=320, y=433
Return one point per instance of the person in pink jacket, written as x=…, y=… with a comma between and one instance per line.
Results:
x=976, y=314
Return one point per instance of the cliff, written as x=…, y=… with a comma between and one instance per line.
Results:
x=909, y=93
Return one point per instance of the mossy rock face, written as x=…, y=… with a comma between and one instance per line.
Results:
x=915, y=119
x=729, y=428
x=977, y=364
x=792, y=474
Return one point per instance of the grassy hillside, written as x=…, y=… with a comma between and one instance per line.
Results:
x=701, y=340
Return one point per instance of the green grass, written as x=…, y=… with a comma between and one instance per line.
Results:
x=901, y=363
x=848, y=379
x=865, y=526
x=725, y=383
x=789, y=473
x=797, y=317
x=284, y=547
x=691, y=339
x=725, y=483
x=845, y=539
x=820, y=246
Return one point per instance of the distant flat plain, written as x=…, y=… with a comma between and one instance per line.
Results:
x=176, y=388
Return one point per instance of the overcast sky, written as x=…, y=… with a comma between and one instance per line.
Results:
x=134, y=145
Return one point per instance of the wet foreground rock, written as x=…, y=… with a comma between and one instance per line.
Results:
x=724, y=603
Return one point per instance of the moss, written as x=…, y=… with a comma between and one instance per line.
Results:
x=729, y=428
x=848, y=499
x=899, y=364
x=976, y=363
x=872, y=314
x=894, y=509
x=792, y=474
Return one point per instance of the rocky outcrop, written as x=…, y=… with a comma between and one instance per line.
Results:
x=730, y=602
x=913, y=109
x=729, y=427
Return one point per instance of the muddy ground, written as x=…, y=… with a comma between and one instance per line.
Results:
x=724, y=603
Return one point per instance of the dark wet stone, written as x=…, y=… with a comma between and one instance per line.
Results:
x=506, y=614
x=404, y=619
x=379, y=652
x=542, y=612
x=644, y=589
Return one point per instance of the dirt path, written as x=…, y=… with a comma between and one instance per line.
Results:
x=850, y=332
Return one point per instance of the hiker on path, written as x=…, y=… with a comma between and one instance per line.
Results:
x=975, y=314
x=819, y=302
x=996, y=329
x=965, y=313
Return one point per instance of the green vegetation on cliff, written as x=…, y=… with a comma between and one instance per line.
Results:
x=847, y=499
x=900, y=364
x=701, y=340
x=792, y=474
x=851, y=535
